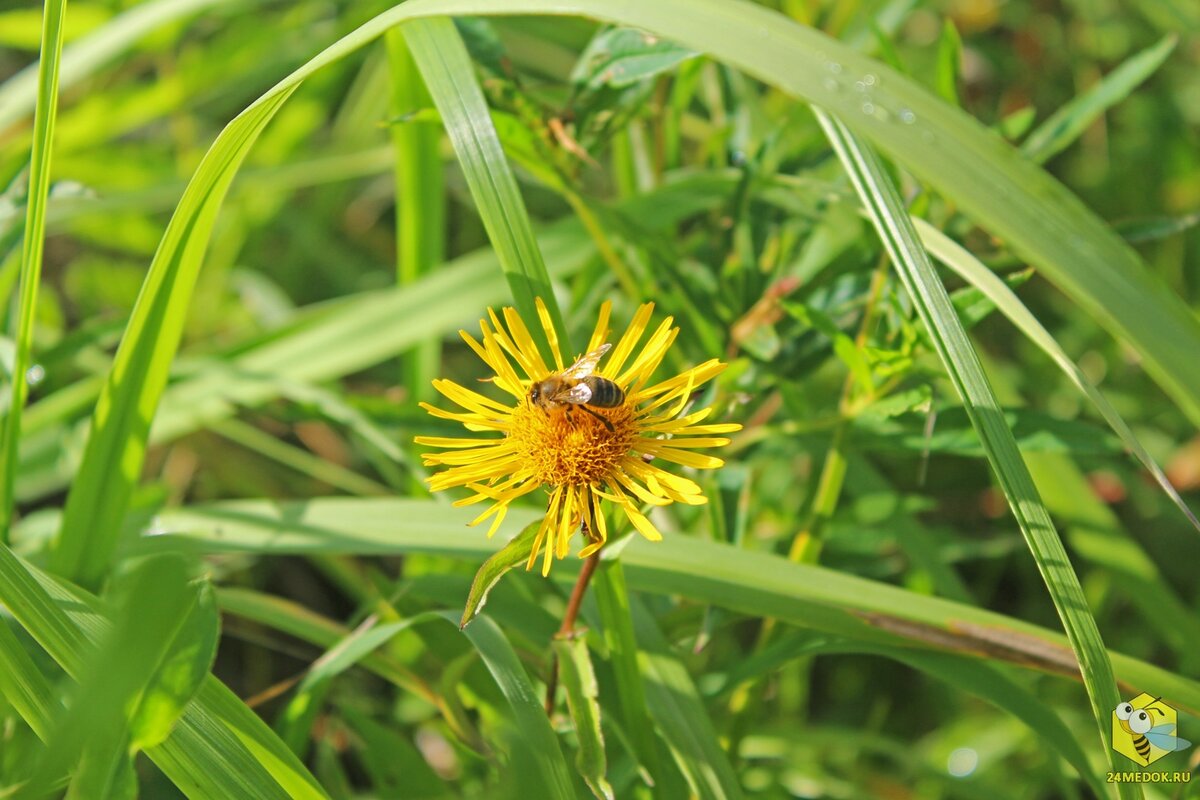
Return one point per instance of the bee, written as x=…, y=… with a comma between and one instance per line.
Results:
x=577, y=386
x=1139, y=724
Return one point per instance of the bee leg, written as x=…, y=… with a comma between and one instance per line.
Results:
x=600, y=417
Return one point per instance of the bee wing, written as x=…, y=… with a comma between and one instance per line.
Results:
x=586, y=363
x=579, y=394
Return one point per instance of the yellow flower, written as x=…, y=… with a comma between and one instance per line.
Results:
x=580, y=458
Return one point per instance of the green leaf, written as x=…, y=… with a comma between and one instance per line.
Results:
x=514, y=553
x=179, y=676
x=218, y=748
x=31, y=249
x=439, y=52
x=1066, y=124
x=753, y=583
x=619, y=57
x=579, y=681
x=152, y=601
x=612, y=598
x=949, y=61
x=970, y=269
x=679, y=713
x=551, y=776
x=843, y=346
x=24, y=686
x=962, y=365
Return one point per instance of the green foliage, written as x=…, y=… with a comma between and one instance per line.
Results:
x=224, y=298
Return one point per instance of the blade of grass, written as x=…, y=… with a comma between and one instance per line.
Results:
x=538, y=737
x=894, y=226
x=675, y=705
x=116, y=447
x=1066, y=124
x=449, y=74
x=24, y=686
x=756, y=584
x=31, y=250
x=579, y=682
x=218, y=748
x=612, y=598
x=959, y=259
x=153, y=600
x=420, y=199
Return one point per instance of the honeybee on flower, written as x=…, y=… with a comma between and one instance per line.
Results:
x=583, y=459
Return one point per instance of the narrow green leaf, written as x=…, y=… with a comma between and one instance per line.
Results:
x=24, y=686
x=933, y=305
x=31, y=250
x=112, y=459
x=579, y=681
x=218, y=748
x=754, y=583
x=679, y=713
x=612, y=597
x=843, y=346
x=1066, y=124
x=153, y=599
x=178, y=677
x=949, y=62
x=552, y=779
x=439, y=51
x=970, y=269
x=420, y=199
x=514, y=553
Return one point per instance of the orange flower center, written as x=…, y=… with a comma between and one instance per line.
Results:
x=570, y=447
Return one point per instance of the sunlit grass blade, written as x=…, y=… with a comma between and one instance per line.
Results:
x=449, y=74
x=112, y=460
x=970, y=269
x=675, y=705
x=420, y=199
x=932, y=302
x=154, y=599
x=552, y=776
x=31, y=251
x=1066, y=124
x=714, y=573
x=612, y=599
x=24, y=686
x=579, y=683
x=218, y=748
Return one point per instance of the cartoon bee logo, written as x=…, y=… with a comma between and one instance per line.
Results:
x=1144, y=730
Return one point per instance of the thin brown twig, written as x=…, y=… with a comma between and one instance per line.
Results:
x=568, y=623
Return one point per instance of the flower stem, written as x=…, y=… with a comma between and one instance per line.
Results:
x=568, y=623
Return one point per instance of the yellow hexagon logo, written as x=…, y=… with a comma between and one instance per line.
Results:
x=1143, y=730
